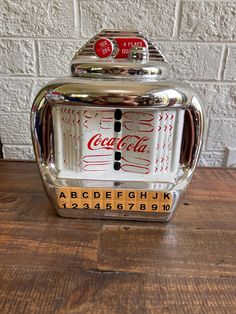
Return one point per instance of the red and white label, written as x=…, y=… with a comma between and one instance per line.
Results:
x=129, y=143
x=103, y=48
x=125, y=44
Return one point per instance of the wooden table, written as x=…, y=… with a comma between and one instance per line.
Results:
x=50, y=264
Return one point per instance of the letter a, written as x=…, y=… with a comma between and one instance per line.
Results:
x=62, y=195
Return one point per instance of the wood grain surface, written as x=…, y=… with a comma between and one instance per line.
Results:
x=50, y=264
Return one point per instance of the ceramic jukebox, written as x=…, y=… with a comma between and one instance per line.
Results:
x=117, y=139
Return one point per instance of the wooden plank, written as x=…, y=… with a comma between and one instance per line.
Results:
x=17, y=166
x=211, y=191
x=213, y=184
x=59, y=243
x=22, y=182
x=25, y=207
x=20, y=176
x=208, y=174
x=68, y=291
x=204, y=214
x=167, y=250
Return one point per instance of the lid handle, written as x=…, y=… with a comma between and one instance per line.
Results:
x=139, y=54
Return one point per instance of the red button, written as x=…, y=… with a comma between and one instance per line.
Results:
x=103, y=48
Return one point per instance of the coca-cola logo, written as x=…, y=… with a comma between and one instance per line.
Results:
x=128, y=142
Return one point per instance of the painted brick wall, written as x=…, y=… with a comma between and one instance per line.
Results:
x=39, y=38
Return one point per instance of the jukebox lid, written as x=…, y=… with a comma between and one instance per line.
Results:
x=119, y=54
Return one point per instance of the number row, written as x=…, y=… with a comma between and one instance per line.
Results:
x=121, y=206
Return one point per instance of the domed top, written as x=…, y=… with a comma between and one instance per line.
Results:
x=119, y=54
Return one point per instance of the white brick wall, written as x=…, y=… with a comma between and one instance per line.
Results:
x=39, y=38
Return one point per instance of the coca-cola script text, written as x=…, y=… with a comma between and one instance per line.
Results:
x=128, y=142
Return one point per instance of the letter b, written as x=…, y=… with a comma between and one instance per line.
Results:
x=73, y=195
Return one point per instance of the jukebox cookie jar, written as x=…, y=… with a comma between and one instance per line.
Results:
x=117, y=139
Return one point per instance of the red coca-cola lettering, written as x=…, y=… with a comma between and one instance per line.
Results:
x=128, y=142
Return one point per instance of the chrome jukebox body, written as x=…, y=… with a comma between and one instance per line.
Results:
x=118, y=139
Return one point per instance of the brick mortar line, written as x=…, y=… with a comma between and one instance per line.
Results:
x=16, y=112
x=211, y=82
x=77, y=18
x=223, y=61
x=222, y=118
x=15, y=37
x=205, y=42
x=31, y=77
x=213, y=151
x=36, y=57
x=206, y=131
x=177, y=19
x=80, y=14
x=18, y=145
x=220, y=1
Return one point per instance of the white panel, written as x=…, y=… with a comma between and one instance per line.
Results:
x=149, y=142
